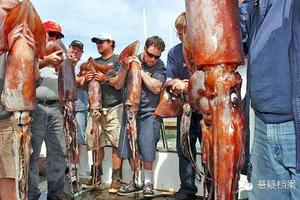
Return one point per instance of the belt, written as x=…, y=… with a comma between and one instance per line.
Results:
x=46, y=101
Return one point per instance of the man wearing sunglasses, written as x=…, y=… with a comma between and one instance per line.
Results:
x=112, y=108
x=148, y=128
x=47, y=125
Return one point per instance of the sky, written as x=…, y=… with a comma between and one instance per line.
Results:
x=123, y=19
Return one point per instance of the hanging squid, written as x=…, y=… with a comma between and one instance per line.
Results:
x=214, y=89
x=19, y=88
x=67, y=96
x=132, y=102
x=95, y=106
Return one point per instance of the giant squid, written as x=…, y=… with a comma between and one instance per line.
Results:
x=132, y=103
x=213, y=51
x=19, y=88
x=67, y=95
x=95, y=106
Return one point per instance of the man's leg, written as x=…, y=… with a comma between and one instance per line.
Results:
x=81, y=117
x=269, y=173
x=56, y=152
x=116, y=171
x=38, y=130
x=7, y=188
x=111, y=124
x=187, y=173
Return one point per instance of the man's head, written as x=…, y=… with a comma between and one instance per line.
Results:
x=75, y=50
x=154, y=46
x=105, y=43
x=5, y=6
x=54, y=30
x=179, y=25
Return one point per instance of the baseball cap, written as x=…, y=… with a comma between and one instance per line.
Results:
x=77, y=43
x=102, y=37
x=53, y=27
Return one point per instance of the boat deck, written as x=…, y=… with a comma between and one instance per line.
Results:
x=101, y=193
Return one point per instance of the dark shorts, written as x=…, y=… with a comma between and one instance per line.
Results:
x=148, y=134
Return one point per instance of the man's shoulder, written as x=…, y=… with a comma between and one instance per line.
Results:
x=160, y=64
x=176, y=48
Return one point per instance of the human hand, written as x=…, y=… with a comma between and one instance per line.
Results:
x=89, y=76
x=126, y=65
x=99, y=76
x=178, y=86
x=19, y=31
x=55, y=58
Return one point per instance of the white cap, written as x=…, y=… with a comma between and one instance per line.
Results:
x=102, y=37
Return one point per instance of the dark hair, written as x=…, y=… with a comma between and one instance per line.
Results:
x=156, y=41
x=113, y=44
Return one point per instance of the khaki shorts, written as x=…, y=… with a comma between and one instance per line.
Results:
x=7, y=169
x=110, y=122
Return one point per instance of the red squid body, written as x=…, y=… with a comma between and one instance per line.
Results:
x=94, y=86
x=19, y=88
x=214, y=91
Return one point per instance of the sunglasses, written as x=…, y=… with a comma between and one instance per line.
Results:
x=101, y=41
x=54, y=34
x=152, y=55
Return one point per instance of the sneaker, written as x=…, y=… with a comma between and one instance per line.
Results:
x=148, y=190
x=89, y=184
x=129, y=189
x=114, y=186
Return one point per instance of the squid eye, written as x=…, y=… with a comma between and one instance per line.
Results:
x=234, y=99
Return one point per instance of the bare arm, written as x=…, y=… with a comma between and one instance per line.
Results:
x=152, y=84
x=53, y=59
x=119, y=80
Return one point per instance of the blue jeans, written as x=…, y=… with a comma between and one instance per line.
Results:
x=81, y=117
x=186, y=169
x=273, y=161
x=47, y=125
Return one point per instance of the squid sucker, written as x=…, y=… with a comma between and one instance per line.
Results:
x=19, y=88
x=95, y=106
x=214, y=89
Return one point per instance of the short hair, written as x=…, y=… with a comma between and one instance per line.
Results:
x=113, y=44
x=180, y=21
x=156, y=41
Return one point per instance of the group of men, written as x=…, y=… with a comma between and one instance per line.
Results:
x=271, y=32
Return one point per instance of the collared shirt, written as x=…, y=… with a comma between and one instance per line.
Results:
x=267, y=33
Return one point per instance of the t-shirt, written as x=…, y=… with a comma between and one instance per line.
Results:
x=149, y=100
x=176, y=66
x=110, y=96
x=48, y=84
